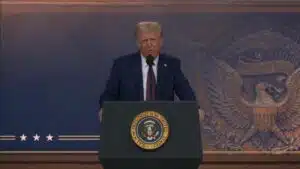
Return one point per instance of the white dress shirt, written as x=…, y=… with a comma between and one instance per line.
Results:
x=145, y=69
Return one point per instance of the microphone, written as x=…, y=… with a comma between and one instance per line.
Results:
x=149, y=60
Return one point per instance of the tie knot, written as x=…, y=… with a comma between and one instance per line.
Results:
x=150, y=60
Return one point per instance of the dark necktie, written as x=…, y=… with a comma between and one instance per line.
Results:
x=151, y=82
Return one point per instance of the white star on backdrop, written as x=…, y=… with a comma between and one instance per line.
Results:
x=36, y=137
x=23, y=137
x=49, y=137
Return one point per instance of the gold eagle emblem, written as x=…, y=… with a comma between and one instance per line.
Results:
x=264, y=113
x=149, y=130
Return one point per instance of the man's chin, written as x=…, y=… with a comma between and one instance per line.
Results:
x=151, y=53
x=154, y=54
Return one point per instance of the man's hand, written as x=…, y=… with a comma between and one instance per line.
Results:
x=100, y=115
x=201, y=114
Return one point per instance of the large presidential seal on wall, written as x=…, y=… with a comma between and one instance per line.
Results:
x=149, y=130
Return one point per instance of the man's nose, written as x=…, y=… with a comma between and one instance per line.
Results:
x=149, y=43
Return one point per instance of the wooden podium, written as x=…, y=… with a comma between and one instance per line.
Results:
x=89, y=160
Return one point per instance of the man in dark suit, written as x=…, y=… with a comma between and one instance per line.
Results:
x=147, y=74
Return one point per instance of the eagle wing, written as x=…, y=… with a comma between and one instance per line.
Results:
x=225, y=96
x=289, y=108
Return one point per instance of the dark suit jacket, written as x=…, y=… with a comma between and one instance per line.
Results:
x=125, y=82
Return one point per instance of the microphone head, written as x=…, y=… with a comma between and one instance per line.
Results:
x=149, y=60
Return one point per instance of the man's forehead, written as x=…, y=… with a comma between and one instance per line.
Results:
x=149, y=34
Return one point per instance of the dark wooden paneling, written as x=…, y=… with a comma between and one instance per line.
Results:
x=16, y=7
x=90, y=161
x=97, y=166
x=92, y=157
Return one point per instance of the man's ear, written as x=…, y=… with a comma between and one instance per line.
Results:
x=138, y=44
x=161, y=42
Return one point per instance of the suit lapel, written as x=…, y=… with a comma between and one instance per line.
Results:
x=161, y=72
x=138, y=75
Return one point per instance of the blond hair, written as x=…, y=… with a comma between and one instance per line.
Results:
x=148, y=26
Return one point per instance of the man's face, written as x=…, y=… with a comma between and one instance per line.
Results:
x=149, y=43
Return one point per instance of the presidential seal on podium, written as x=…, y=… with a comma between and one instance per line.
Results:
x=149, y=130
